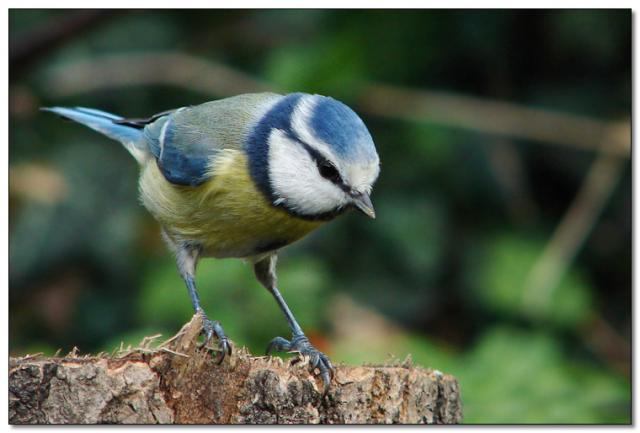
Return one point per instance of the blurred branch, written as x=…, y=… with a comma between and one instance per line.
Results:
x=181, y=70
x=567, y=240
x=29, y=47
x=572, y=231
x=494, y=117
x=466, y=112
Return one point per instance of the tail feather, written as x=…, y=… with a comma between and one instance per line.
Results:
x=103, y=122
x=98, y=113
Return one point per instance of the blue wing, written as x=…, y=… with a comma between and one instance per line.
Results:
x=182, y=158
x=185, y=142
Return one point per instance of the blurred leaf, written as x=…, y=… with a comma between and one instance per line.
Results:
x=524, y=377
x=501, y=274
x=331, y=67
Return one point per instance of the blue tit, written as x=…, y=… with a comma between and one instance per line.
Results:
x=243, y=177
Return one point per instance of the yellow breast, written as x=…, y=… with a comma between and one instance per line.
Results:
x=226, y=214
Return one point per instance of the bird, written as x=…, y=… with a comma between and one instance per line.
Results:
x=243, y=177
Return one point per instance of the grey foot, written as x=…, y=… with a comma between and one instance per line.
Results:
x=211, y=328
x=300, y=343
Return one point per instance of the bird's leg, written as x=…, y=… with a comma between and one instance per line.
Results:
x=265, y=271
x=209, y=327
x=187, y=255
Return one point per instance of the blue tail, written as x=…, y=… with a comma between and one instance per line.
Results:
x=103, y=122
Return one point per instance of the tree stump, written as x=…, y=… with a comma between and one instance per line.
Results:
x=180, y=383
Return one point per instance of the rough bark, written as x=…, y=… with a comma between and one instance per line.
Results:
x=180, y=383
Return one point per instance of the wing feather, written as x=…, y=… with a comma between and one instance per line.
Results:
x=185, y=142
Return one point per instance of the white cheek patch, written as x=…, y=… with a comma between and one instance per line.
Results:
x=295, y=179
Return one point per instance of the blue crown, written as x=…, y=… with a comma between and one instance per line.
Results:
x=341, y=128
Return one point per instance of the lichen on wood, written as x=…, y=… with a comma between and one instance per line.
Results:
x=180, y=383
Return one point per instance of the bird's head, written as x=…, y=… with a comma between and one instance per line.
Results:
x=314, y=157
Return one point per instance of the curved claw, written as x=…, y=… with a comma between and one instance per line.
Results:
x=326, y=370
x=211, y=328
x=278, y=344
x=314, y=360
x=225, y=349
x=325, y=364
x=317, y=359
x=326, y=381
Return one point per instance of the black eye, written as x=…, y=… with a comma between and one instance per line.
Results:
x=328, y=171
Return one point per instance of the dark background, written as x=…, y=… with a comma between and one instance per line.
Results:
x=502, y=248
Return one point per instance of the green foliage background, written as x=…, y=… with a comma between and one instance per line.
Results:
x=444, y=266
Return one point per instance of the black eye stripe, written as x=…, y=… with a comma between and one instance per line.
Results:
x=321, y=162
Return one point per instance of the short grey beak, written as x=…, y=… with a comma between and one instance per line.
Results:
x=363, y=203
